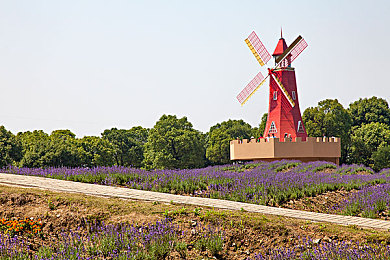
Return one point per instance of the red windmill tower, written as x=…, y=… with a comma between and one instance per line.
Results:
x=284, y=116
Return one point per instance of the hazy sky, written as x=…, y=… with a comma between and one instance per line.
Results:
x=92, y=65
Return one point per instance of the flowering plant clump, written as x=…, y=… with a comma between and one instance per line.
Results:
x=354, y=169
x=211, y=238
x=385, y=172
x=12, y=247
x=368, y=202
x=21, y=226
x=333, y=250
x=315, y=166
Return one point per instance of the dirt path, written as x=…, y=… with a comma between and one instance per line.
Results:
x=125, y=193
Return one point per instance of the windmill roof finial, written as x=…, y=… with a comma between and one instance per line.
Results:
x=281, y=46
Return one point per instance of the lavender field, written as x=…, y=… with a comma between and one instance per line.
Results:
x=265, y=183
x=186, y=233
x=113, y=241
x=370, y=201
x=160, y=239
x=310, y=249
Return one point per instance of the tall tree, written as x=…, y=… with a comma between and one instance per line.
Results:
x=96, y=151
x=10, y=149
x=369, y=110
x=173, y=143
x=35, y=145
x=263, y=123
x=63, y=134
x=128, y=145
x=219, y=137
x=63, y=150
x=366, y=140
x=329, y=118
x=381, y=158
x=139, y=137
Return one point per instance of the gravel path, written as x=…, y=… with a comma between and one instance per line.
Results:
x=125, y=193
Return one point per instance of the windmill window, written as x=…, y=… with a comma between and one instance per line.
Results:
x=293, y=95
x=275, y=95
x=300, y=127
x=272, y=128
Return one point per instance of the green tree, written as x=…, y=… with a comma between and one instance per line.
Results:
x=35, y=145
x=329, y=118
x=366, y=140
x=263, y=123
x=173, y=143
x=128, y=145
x=139, y=136
x=96, y=151
x=381, y=158
x=219, y=137
x=63, y=134
x=369, y=110
x=10, y=149
x=63, y=150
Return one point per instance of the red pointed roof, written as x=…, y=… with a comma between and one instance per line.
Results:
x=280, y=47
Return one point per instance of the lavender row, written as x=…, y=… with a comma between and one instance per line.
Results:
x=261, y=183
x=368, y=202
x=354, y=169
x=310, y=249
x=161, y=239
x=120, y=241
x=385, y=172
x=12, y=247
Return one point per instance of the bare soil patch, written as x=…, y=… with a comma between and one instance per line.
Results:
x=323, y=203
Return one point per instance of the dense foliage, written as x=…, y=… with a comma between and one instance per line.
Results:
x=329, y=118
x=363, y=128
x=127, y=146
x=219, y=137
x=9, y=147
x=366, y=140
x=263, y=123
x=173, y=143
x=381, y=157
x=369, y=110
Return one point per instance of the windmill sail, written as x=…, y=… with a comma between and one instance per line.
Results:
x=251, y=88
x=291, y=52
x=283, y=89
x=258, y=49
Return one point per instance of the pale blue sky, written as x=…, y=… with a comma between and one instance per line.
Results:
x=92, y=65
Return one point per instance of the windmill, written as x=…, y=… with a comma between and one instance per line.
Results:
x=284, y=117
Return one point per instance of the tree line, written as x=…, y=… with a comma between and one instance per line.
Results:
x=173, y=143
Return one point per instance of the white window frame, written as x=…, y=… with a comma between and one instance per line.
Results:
x=272, y=128
x=294, y=95
x=300, y=127
x=275, y=95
